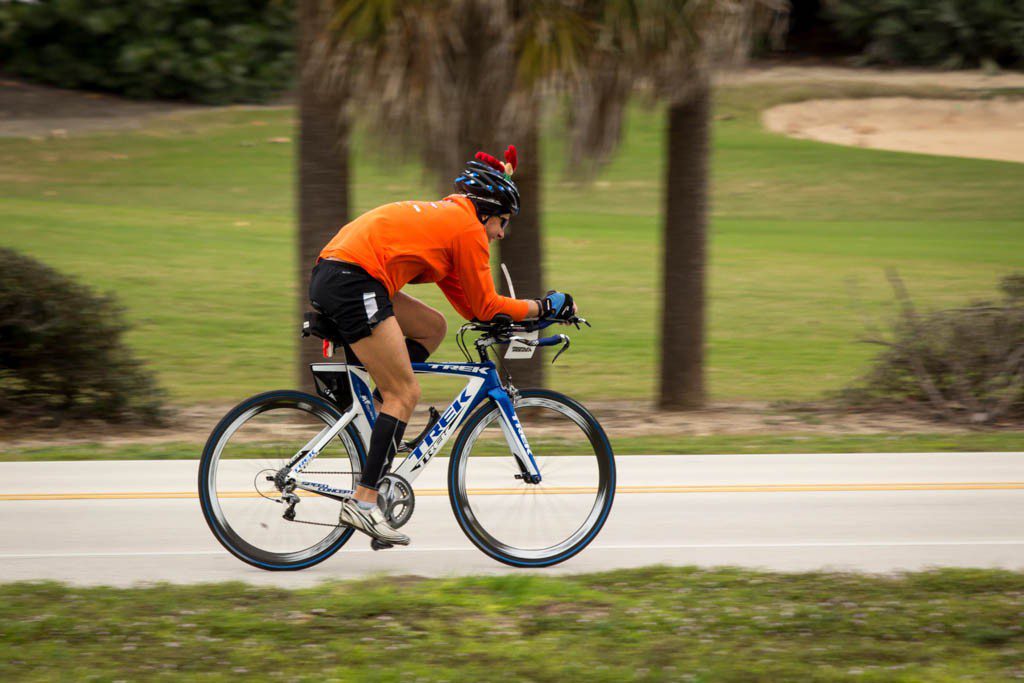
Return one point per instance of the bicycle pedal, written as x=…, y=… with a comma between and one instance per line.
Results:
x=380, y=545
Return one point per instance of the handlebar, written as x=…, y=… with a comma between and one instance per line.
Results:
x=503, y=330
x=502, y=325
x=551, y=341
x=554, y=340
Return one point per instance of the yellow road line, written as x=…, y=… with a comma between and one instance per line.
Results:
x=739, y=488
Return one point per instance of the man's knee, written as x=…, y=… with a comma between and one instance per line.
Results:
x=405, y=393
x=441, y=324
x=439, y=327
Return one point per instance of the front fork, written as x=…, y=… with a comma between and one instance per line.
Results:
x=516, y=438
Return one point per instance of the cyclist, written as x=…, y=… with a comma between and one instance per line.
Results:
x=357, y=281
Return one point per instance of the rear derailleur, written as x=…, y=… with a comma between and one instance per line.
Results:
x=289, y=498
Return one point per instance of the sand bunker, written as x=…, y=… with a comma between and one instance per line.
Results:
x=984, y=129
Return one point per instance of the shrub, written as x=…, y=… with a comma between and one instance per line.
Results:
x=210, y=51
x=62, y=352
x=945, y=33
x=964, y=364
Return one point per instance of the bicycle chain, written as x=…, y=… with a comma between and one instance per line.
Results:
x=306, y=521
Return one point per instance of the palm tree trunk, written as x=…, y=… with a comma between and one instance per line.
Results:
x=685, y=237
x=521, y=251
x=323, y=199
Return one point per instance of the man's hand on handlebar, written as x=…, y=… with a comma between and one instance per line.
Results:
x=557, y=306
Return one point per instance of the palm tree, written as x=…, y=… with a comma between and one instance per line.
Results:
x=322, y=187
x=684, y=257
x=673, y=45
x=444, y=79
x=692, y=39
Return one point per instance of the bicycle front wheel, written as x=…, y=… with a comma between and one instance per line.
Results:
x=240, y=498
x=533, y=525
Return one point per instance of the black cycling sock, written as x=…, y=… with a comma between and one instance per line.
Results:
x=417, y=354
x=387, y=434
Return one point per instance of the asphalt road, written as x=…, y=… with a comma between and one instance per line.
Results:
x=122, y=523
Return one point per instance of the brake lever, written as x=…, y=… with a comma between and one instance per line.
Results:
x=565, y=346
x=578, y=320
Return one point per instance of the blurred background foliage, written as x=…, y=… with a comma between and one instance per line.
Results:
x=961, y=364
x=62, y=350
x=951, y=34
x=208, y=51
x=221, y=51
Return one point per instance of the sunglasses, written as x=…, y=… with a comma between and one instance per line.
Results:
x=504, y=221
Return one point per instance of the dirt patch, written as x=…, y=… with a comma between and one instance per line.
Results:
x=29, y=110
x=194, y=424
x=750, y=418
x=983, y=129
x=830, y=75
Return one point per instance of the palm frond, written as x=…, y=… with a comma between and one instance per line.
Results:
x=443, y=79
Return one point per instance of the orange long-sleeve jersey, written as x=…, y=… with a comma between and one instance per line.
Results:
x=420, y=242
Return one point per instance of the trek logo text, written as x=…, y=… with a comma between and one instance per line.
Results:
x=432, y=441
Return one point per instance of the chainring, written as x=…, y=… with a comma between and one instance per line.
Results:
x=395, y=499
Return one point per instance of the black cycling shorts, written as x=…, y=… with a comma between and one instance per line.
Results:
x=350, y=297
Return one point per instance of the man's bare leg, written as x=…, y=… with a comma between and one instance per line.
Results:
x=385, y=357
x=420, y=324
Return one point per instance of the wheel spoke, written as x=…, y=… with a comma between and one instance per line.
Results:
x=257, y=440
x=535, y=524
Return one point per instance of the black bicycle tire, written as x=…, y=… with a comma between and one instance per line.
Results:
x=226, y=537
x=479, y=537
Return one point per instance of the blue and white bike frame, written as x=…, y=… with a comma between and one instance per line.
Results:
x=482, y=384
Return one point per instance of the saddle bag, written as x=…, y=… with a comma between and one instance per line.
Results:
x=319, y=325
x=315, y=324
x=332, y=383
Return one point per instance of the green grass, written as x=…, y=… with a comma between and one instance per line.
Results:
x=649, y=624
x=190, y=222
x=648, y=445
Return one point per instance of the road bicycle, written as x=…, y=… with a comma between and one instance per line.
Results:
x=531, y=474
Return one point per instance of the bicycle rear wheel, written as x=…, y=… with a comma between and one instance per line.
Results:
x=254, y=441
x=533, y=525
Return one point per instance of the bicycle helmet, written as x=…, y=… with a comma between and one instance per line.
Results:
x=488, y=183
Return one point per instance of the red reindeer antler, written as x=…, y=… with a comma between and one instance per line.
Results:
x=490, y=161
x=512, y=157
